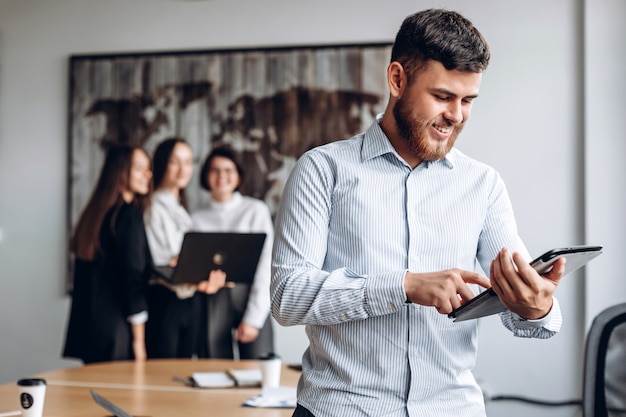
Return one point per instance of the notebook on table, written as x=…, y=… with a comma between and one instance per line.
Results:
x=237, y=254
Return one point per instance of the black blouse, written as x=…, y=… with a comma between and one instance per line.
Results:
x=109, y=289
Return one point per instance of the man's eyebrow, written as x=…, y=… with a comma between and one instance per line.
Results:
x=447, y=92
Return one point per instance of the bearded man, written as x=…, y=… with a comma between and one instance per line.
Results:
x=378, y=237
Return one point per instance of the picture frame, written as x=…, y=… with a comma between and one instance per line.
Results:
x=269, y=104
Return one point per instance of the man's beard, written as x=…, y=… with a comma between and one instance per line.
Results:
x=414, y=133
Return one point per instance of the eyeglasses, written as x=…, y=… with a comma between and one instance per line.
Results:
x=225, y=171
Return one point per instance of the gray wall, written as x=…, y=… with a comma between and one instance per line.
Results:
x=548, y=108
x=605, y=149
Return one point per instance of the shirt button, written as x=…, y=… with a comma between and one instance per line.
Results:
x=343, y=317
x=391, y=306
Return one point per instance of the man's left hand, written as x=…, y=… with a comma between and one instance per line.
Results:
x=522, y=289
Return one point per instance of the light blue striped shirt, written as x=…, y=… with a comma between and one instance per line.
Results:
x=354, y=218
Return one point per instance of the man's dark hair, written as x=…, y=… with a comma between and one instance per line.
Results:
x=439, y=35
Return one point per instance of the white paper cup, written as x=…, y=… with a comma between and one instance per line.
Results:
x=270, y=371
x=32, y=396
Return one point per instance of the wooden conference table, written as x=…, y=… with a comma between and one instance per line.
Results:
x=147, y=389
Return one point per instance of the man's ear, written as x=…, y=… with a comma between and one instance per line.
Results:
x=396, y=79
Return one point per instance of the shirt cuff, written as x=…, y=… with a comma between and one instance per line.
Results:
x=183, y=291
x=256, y=319
x=551, y=321
x=139, y=318
x=382, y=297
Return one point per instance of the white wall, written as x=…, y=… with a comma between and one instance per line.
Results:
x=605, y=149
x=528, y=123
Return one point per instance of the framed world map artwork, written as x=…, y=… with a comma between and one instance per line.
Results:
x=269, y=105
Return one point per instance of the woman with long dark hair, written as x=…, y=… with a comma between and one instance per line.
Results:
x=112, y=263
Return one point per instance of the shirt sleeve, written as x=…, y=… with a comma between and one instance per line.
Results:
x=139, y=318
x=134, y=258
x=159, y=235
x=500, y=229
x=301, y=291
x=542, y=328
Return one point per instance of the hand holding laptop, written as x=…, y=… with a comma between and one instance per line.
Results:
x=214, y=282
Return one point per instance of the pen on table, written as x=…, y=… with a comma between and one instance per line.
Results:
x=187, y=381
x=10, y=413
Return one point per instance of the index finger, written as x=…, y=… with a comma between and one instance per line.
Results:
x=472, y=278
x=475, y=278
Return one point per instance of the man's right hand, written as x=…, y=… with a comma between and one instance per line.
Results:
x=444, y=290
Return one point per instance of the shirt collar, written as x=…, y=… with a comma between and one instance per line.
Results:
x=165, y=197
x=225, y=205
x=376, y=144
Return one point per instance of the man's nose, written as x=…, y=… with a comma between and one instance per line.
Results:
x=454, y=112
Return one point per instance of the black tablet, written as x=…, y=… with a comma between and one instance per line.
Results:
x=488, y=302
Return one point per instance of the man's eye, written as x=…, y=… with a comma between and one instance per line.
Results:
x=442, y=98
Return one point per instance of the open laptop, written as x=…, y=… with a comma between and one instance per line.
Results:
x=237, y=254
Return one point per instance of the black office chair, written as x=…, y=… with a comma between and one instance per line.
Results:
x=603, y=330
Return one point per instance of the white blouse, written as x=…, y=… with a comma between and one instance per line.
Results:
x=244, y=214
x=167, y=221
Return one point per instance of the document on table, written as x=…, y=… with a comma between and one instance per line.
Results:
x=212, y=380
x=246, y=377
x=227, y=379
x=281, y=397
